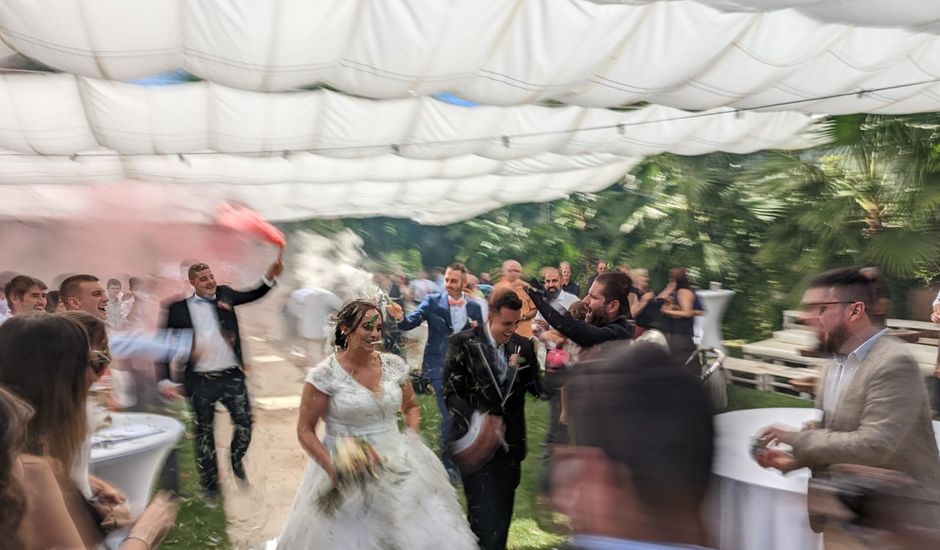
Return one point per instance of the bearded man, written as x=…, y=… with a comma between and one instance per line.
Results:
x=608, y=312
x=873, y=398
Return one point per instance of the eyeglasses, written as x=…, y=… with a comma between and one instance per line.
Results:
x=820, y=307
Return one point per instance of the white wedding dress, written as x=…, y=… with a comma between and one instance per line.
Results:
x=411, y=506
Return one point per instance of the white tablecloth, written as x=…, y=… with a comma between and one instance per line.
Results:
x=132, y=451
x=751, y=508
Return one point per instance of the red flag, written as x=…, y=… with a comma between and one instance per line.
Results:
x=246, y=220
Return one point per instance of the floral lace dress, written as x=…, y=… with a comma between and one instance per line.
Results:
x=411, y=506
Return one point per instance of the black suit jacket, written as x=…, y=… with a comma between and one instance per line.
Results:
x=580, y=332
x=177, y=316
x=468, y=384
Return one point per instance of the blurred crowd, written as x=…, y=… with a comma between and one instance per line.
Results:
x=628, y=453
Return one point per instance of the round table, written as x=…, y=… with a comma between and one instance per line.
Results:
x=750, y=507
x=708, y=325
x=131, y=452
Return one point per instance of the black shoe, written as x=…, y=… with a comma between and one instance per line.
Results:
x=240, y=476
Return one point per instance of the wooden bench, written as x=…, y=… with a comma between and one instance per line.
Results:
x=779, y=379
x=775, y=351
x=931, y=331
x=801, y=337
x=755, y=372
x=924, y=326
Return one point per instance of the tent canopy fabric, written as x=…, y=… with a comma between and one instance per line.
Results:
x=324, y=154
x=912, y=14
x=64, y=114
x=682, y=54
x=551, y=97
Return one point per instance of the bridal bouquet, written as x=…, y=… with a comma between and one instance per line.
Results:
x=356, y=464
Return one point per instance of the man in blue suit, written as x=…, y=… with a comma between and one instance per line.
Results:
x=447, y=313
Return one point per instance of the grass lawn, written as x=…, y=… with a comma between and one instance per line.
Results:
x=198, y=526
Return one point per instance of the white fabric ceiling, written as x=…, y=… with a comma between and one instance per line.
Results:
x=914, y=14
x=324, y=154
x=682, y=54
x=253, y=131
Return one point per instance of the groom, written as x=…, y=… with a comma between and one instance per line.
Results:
x=488, y=370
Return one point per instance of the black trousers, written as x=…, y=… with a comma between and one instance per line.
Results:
x=204, y=391
x=491, y=493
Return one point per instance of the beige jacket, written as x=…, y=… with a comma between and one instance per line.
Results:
x=882, y=419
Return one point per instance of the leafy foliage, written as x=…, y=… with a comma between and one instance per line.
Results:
x=760, y=223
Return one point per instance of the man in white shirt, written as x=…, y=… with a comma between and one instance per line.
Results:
x=24, y=294
x=554, y=294
x=308, y=311
x=554, y=380
x=84, y=292
x=116, y=308
x=216, y=373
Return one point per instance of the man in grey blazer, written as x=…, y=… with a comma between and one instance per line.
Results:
x=874, y=402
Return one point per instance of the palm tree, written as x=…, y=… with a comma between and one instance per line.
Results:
x=872, y=196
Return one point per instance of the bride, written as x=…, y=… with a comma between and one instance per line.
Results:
x=358, y=392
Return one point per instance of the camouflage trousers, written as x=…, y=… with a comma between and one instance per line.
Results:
x=205, y=390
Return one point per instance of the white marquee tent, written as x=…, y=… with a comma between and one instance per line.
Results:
x=551, y=77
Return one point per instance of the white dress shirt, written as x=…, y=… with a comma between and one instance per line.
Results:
x=215, y=353
x=312, y=308
x=458, y=314
x=117, y=310
x=840, y=376
x=502, y=367
x=561, y=303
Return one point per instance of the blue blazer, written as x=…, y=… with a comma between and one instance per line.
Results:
x=436, y=311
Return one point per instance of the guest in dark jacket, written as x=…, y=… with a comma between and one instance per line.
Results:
x=215, y=373
x=608, y=312
x=488, y=370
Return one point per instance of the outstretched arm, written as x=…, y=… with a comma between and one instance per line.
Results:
x=415, y=318
x=581, y=333
x=267, y=283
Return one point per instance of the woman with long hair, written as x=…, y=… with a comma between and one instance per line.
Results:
x=644, y=314
x=35, y=514
x=14, y=416
x=44, y=360
x=678, y=307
